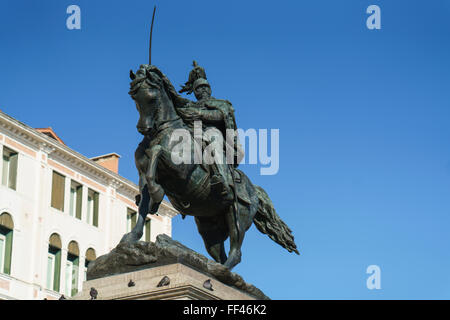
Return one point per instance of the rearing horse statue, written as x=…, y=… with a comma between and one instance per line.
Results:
x=187, y=185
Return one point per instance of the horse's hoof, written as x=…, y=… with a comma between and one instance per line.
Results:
x=137, y=199
x=227, y=266
x=154, y=208
x=157, y=196
x=233, y=259
x=129, y=238
x=216, y=268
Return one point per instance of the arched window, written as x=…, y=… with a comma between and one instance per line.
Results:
x=90, y=256
x=54, y=262
x=6, y=239
x=72, y=267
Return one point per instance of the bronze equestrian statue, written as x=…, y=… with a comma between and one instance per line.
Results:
x=188, y=186
x=222, y=198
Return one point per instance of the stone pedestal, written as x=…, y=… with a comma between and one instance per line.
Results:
x=185, y=284
x=146, y=263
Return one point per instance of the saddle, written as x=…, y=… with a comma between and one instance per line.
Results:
x=239, y=183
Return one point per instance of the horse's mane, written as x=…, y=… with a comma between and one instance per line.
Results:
x=151, y=76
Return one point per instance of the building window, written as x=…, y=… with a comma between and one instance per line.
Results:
x=131, y=219
x=76, y=196
x=54, y=263
x=90, y=256
x=50, y=270
x=9, y=168
x=6, y=239
x=72, y=267
x=2, y=250
x=58, y=187
x=131, y=223
x=92, y=208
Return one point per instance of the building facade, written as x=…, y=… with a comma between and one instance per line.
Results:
x=58, y=211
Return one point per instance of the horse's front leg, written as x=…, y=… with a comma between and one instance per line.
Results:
x=143, y=201
x=155, y=191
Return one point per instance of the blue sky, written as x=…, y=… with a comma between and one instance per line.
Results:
x=363, y=116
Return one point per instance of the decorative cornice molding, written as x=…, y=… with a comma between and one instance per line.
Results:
x=46, y=148
x=113, y=183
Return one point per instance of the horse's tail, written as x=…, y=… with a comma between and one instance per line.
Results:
x=268, y=222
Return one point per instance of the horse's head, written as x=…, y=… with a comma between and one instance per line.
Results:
x=153, y=94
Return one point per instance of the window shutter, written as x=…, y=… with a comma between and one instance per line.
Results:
x=73, y=248
x=6, y=221
x=90, y=254
x=58, y=191
x=55, y=241
x=79, y=201
x=96, y=206
x=6, y=228
x=57, y=271
x=5, y=167
x=133, y=220
x=13, y=160
x=148, y=224
x=75, y=269
x=8, y=252
x=50, y=270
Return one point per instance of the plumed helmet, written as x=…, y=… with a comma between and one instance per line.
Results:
x=197, y=73
x=200, y=82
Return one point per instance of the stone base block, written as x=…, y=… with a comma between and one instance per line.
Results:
x=185, y=284
x=152, y=260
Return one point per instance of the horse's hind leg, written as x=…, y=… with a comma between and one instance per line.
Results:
x=236, y=238
x=238, y=224
x=214, y=232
